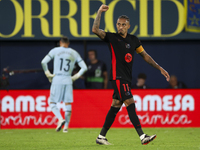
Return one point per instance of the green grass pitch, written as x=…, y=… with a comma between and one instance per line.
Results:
x=84, y=139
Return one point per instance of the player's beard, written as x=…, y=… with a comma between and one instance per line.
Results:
x=120, y=33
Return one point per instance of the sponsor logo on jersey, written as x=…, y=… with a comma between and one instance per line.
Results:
x=128, y=57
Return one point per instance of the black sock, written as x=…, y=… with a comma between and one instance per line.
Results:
x=134, y=118
x=109, y=120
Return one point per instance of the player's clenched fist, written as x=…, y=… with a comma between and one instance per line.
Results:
x=103, y=8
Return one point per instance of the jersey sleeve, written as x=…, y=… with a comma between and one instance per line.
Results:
x=139, y=47
x=83, y=67
x=51, y=54
x=46, y=59
x=78, y=58
x=81, y=64
x=107, y=37
x=44, y=62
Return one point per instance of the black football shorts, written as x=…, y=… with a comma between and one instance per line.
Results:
x=122, y=90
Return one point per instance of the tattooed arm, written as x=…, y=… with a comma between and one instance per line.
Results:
x=95, y=28
x=150, y=61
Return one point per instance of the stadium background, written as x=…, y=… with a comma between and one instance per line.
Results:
x=177, y=51
x=29, y=29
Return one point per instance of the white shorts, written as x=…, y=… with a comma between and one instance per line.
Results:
x=61, y=93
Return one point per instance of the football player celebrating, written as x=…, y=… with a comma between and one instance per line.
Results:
x=122, y=47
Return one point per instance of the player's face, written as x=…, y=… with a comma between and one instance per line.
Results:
x=122, y=26
x=140, y=82
x=91, y=55
x=173, y=81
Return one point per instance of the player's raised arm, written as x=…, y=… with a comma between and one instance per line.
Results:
x=150, y=61
x=95, y=28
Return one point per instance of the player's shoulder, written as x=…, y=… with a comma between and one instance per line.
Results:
x=100, y=62
x=69, y=49
x=111, y=33
x=109, y=36
x=54, y=49
x=132, y=36
x=72, y=50
x=88, y=63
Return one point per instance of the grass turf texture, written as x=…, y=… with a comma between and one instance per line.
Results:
x=84, y=139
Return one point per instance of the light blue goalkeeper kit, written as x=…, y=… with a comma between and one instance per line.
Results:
x=61, y=86
x=64, y=61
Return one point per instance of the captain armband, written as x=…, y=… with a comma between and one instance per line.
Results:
x=139, y=49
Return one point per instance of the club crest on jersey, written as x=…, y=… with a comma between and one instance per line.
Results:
x=127, y=45
x=128, y=57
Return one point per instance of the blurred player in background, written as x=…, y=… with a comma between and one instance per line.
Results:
x=141, y=82
x=61, y=86
x=175, y=84
x=96, y=76
x=122, y=47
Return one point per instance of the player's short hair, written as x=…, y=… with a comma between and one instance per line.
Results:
x=124, y=17
x=64, y=39
x=95, y=52
x=142, y=76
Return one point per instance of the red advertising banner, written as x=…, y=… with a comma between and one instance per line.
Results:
x=155, y=108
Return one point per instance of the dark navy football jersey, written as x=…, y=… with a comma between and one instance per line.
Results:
x=122, y=53
x=94, y=75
